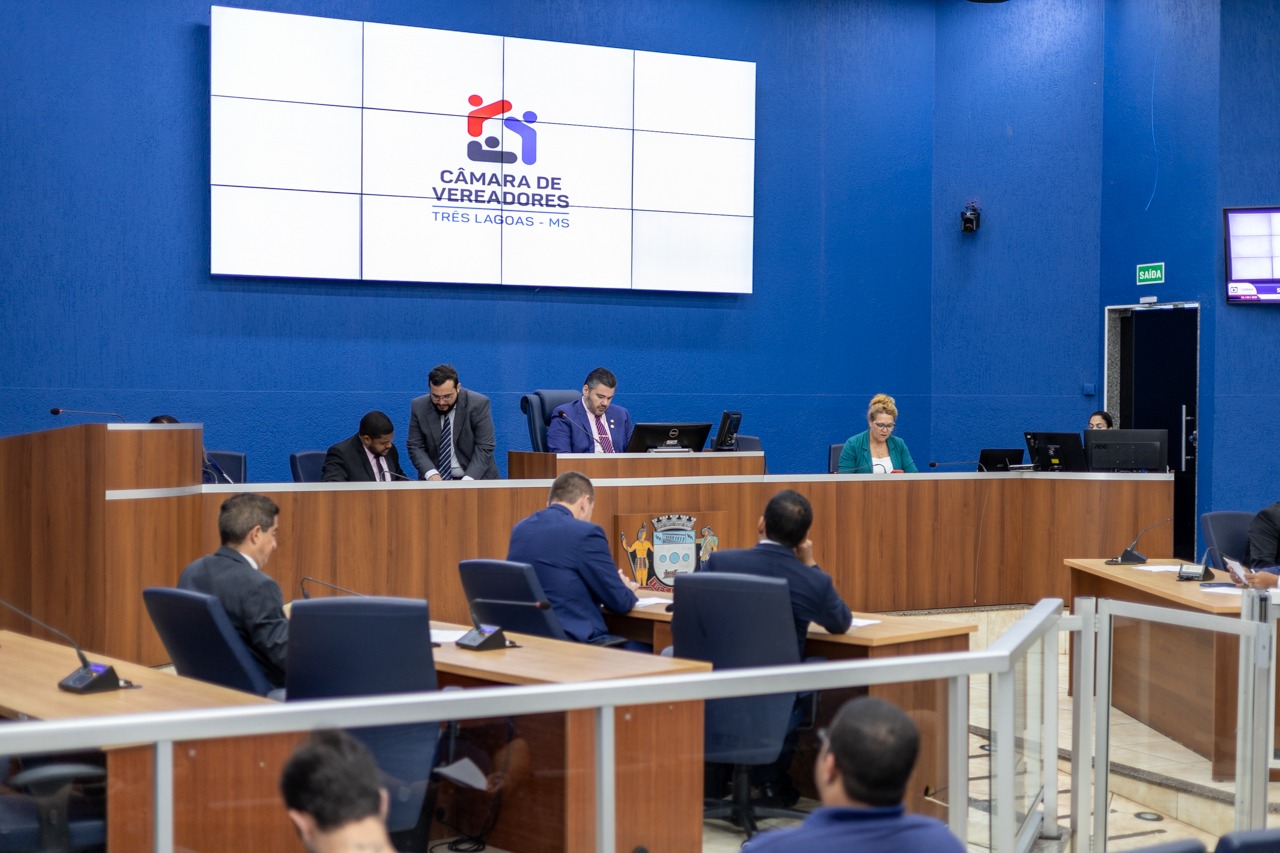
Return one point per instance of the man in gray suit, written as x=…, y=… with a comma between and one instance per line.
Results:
x=451, y=431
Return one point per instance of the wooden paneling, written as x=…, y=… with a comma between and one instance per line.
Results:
x=523, y=465
x=154, y=457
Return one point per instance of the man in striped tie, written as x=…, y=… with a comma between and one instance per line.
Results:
x=451, y=431
x=594, y=424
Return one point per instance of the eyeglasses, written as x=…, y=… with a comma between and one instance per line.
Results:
x=444, y=398
x=884, y=427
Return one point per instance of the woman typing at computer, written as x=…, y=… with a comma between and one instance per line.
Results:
x=878, y=450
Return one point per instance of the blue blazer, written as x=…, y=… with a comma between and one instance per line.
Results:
x=575, y=567
x=813, y=595
x=566, y=438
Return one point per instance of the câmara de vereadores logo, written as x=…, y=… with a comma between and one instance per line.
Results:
x=468, y=185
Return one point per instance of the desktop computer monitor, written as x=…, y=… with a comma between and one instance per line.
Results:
x=661, y=438
x=1127, y=449
x=727, y=435
x=1056, y=451
x=999, y=459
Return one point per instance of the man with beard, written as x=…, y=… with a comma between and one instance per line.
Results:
x=593, y=424
x=369, y=455
x=451, y=431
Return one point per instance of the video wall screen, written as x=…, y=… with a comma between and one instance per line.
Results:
x=1253, y=254
x=350, y=150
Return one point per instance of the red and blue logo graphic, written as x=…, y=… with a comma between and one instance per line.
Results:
x=488, y=152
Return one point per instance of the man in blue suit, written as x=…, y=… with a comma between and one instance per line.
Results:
x=593, y=424
x=572, y=560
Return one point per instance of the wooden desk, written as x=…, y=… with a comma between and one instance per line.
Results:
x=658, y=750
x=892, y=636
x=527, y=465
x=1182, y=682
x=225, y=791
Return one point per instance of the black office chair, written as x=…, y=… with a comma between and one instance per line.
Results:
x=538, y=407
x=509, y=595
x=42, y=814
x=1225, y=532
x=735, y=621
x=1249, y=841
x=371, y=646
x=833, y=457
x=306, y=465
x=751, y=443
x=201, y=641
x=226, y=464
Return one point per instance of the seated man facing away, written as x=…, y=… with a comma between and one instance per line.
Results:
x=1262, y=551
x=330, y=787
x=233, y=574
x=366, y=457
x=861, y=775
x=785, y=551
x=571, y=558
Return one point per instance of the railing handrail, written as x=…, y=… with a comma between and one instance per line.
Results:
x=133, y=729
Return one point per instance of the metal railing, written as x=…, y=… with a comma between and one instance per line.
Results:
x=1036, y=630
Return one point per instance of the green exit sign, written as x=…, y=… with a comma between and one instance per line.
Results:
x=1151, y=273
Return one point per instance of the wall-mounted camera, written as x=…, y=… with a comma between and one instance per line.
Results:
x=970, y=218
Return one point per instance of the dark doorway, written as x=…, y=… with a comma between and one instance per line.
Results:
x=1159, y=379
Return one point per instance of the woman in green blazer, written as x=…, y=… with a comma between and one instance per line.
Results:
x=878, y=450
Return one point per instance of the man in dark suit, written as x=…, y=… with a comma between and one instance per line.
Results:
x=571, y=557
x=233, y=574
x=593, y=424
x=785, y=551
x=451, y=431
x=369, y=455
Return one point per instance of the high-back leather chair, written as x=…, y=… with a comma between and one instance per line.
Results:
x=509, y=595
x=201, y=641
x=538, y=407
x=371, y=646
x=1225, y=532
x=306, y=465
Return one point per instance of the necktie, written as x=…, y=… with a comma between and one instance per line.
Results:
x=445, y=466
x=377, y=468
x=605, y=444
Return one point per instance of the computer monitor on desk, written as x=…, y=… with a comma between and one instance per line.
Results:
x=727, y=435
x=1056, y=451
x=666, y=438
x=1127, y=449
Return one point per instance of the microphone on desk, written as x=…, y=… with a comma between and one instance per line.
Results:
x=1208, y=572
x=216, y=468
x=303, y=583
x=90, y=677
x=571, y=422
x=399, y=476
x=977, y=462
x=56, y=411
x=1130, y=556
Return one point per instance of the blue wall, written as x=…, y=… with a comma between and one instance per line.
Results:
x=877, y=120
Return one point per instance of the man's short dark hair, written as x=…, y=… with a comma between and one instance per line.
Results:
x=787, y=518
x=875, y=745
x=241, y=513
x=601, y=376
x=164, y=419
x=569, y=487
x=376, y=425
x=333, y=778
x=441, y=374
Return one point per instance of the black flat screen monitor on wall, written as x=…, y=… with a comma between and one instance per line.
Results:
x=1252, y=237
x=727, y=434
x=662, y=438
x=1056, y=451
x=1127, y=449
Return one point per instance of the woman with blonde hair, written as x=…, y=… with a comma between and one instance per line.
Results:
x=878, y=450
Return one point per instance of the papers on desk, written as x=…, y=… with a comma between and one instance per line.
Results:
x=464, y=772
x=651, y=601
x=862, y=623
x=445, y=635
x=1158, y=567
x=1223, y=590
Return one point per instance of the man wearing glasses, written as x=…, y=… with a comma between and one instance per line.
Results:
x=861, y=774
x=451, y=431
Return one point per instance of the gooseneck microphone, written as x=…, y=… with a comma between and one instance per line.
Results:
x=216, y=468
x=399, y=476
x=90, y=677
x=303, y=583
x=1130, y=556
x=977, y=462
x=571, y=422
x=56, y=411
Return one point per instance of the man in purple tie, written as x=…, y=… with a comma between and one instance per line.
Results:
x=593, y=424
